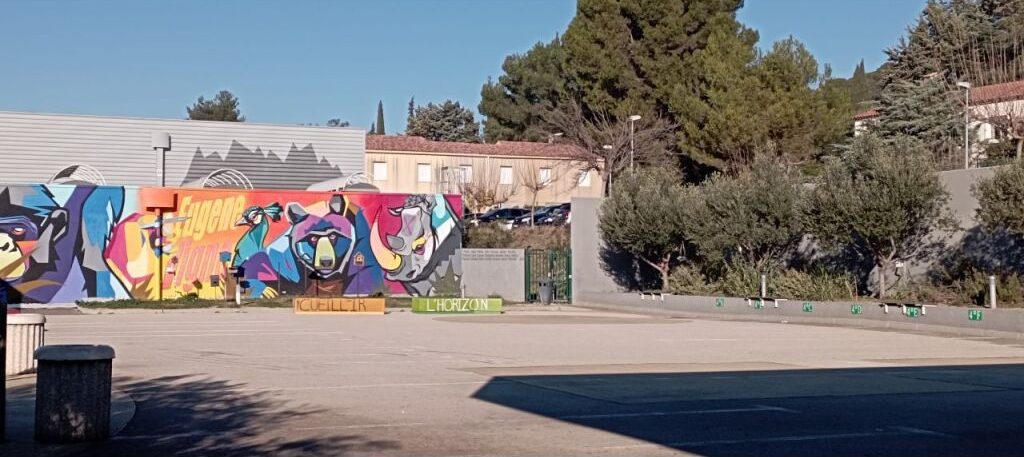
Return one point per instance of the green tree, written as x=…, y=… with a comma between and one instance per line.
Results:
x=373, y=129
x=800, y=118
x=223, y=107
x=881, y=199
x=337, y=123
x=646, y=217
x=1001, y=199
x=953, y=40
x=531, y=83
x=752, y=218
x=447, y=121
x=623, y=57
x=378, y=127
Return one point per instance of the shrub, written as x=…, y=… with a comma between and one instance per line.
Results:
x=687, y=280
x=491, y=236
x=972, y=289
x=740, y=280
x=815, y=285
x=487, y=236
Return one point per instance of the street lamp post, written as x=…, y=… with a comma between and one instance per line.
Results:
x=161, y=143
x=608, y=147
x=632, y=119
x=966, y=86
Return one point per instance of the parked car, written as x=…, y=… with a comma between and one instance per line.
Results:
x=538, y=215
x=559, y=215
x=472, y=218
x=502, y=215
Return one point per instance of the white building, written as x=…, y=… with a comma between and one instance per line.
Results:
x=55, y=148
x=996, y=112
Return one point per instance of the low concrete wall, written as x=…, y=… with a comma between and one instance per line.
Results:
x=488, y=272
x=948, y=319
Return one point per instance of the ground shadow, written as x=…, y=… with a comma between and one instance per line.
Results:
x=963, y=410
x=189, y=415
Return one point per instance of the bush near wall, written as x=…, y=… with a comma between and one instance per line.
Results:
x=491, y=236
x=741, y=280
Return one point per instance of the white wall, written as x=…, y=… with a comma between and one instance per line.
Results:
x=33, y=147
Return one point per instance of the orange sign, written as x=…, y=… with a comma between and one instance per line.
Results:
x=338, y=305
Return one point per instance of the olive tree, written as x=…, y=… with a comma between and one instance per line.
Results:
x=1001, y=199
x=753, y=217
x=882, y=199
x=645, y=216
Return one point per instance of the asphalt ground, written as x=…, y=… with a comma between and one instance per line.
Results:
x=543, y=383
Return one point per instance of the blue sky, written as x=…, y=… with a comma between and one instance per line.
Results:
x=309, y=61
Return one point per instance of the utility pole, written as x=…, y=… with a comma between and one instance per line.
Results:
x=967, y=122
x=632, y=119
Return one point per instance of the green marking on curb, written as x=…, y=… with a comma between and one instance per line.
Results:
x=856, y=309
x=974, y=315
x=719, y=303
x=913, y=311
x=808, y=307
x=759, y=304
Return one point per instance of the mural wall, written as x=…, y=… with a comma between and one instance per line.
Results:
x=59, y=244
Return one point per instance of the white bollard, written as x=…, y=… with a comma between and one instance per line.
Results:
x=24, y=336
x=992, y=292
x=764, y=286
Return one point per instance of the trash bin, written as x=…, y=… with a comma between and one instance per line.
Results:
x=545, y=293
x=24, y=336
x=73, y=393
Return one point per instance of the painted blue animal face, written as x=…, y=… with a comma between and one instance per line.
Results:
x=322, y=243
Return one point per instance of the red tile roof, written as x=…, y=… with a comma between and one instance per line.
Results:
x=997, y=92
x=501, y=148
x=869, y=114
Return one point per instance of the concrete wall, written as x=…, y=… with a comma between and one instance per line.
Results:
x=35, y=147
x=589, y=268
x=64, y=243
x=494, y=272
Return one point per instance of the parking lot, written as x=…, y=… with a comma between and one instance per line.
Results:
x=544, y=382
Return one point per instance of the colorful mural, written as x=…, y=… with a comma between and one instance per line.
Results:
x=66, y=243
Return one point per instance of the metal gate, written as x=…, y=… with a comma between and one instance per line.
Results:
x=554, y=265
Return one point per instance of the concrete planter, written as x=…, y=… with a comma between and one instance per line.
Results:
x=25, y=334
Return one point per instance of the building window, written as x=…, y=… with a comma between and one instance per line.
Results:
x=466, y=173
x=505, y=175
x=584, y=180
x=544, y=175
x=380, y=171
x=423, y=172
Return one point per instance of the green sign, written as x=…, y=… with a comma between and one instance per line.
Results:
x=456, y=305
x=913, y=311
x=719, y=303
x=856, y=309
x=759, y=304
x=974, y=315
x=808, y=307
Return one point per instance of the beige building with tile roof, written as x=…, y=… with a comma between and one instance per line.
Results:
x=503, y=174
